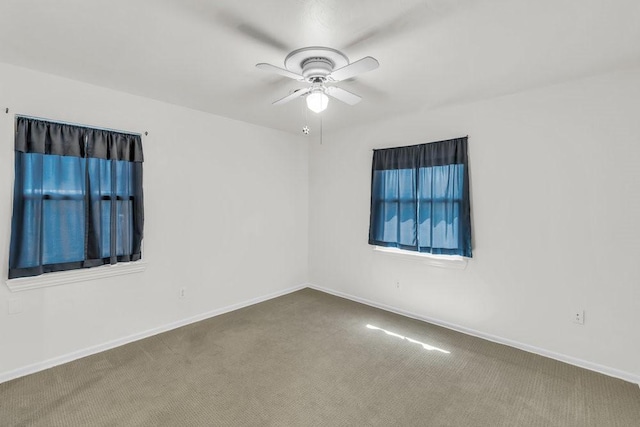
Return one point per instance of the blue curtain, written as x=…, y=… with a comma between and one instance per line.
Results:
x=420, y=198
x=77, y=198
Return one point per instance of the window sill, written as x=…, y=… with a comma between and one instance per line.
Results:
x=444, y=261
x=65, y=277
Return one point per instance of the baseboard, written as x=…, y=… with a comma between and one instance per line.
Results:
x=612, y=372
x=39, y=366
x=50, y=363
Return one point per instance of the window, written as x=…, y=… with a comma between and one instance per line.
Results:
x=420, y=198
x=78, y=199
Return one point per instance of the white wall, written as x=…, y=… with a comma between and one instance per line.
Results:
x=555, y=180
x=555, y=208
x=226, y=217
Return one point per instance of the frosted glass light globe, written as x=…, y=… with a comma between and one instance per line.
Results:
x=317, y=101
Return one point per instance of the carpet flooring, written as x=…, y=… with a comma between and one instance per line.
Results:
x=312, y=359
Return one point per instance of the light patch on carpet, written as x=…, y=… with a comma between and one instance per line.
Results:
x=411, y=340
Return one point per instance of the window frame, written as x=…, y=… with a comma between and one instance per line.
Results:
x=456, y=262
x=56, y=278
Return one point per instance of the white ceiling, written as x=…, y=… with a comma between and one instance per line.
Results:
x=202, y=53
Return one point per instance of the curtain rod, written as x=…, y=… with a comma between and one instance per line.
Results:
x=413, y=145
x=77, y=124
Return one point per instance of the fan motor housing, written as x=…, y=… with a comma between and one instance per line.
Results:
x=315, y=63
x=314, y=69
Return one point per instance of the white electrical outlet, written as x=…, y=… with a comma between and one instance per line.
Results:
x=578, y=317
x=397, y=284
x=183, y=292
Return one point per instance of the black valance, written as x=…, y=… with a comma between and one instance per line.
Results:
x=45, y=137
x=447, y=152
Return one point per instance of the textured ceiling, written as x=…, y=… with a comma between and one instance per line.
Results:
x=202, y=54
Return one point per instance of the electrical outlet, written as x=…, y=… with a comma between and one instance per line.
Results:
x=578, y=317
x=397, y=284
x=183, y=292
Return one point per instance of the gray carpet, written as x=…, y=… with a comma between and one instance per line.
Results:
x=308, y=359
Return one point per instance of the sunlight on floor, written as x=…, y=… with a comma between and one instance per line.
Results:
x=425, y=346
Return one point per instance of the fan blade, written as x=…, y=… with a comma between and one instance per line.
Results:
x=343, y=95
x=297, y=93
x=361, y=66
x=249, y=30
x=278, y=70
x=213, y=15
x=421, y=15
x=368, y=90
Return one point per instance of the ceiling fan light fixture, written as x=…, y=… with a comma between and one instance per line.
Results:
x=317, y=101
x=319, y=65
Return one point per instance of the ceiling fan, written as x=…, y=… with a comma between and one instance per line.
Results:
x=320, y=66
